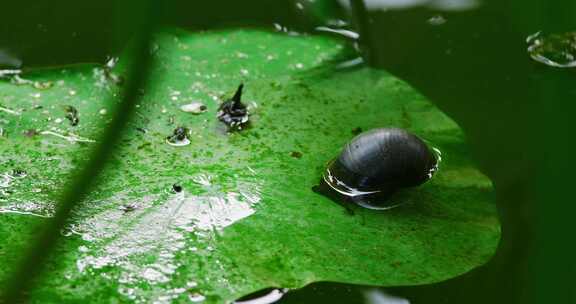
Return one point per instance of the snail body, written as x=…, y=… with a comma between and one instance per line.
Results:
x=376, y=164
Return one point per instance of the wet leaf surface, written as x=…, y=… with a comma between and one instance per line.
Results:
x=231, y=213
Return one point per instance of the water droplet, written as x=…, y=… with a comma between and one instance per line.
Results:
x=350, y=63
x=436, y=167
x=341, y=32
x=556, y=50
x=436, y=20
x=111, y=62
x=42, y=85
x=202, y=179
x=102, y=112
x=196, y=297
x=194, y=108
x=191, y=284
x=9, y=72
x=266, y=296
x=278, y=27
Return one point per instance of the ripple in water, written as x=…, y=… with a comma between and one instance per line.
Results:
x=556, y=50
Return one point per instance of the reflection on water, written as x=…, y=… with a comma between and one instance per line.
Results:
x=342, y=32
x=376, y=296
x=267, y=296
x=443, y=5
x=139, y=248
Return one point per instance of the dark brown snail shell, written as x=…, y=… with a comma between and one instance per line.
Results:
x=377, y=163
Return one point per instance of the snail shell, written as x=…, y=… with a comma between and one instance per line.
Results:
x=233, y=112
x=179, y=137
x=376, y=163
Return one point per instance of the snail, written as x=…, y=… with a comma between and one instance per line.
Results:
x=377, y=163
x=179, y=137
x=233, y=112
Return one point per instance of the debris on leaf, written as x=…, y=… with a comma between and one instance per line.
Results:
x=128, y=207
x=177, y=188
x=296, y=154
x=31, y=133
x=356, y=131
x=72, y=115
x=19, y=173
x=179, y=137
